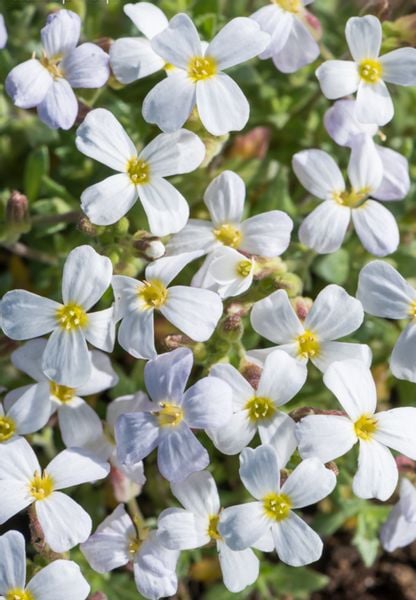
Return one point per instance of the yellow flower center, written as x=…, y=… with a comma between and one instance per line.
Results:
x=213, y=532
x=293, y=6
x=260, y=408
x=19, y=594
x=370, y=70
x=169, y=415
x=308, y=345
x=41, y=486
x=138, y=170
x=7, y=428
x=153, y=294
x=277, y=506
x=228, y=235
x=412, y=309
x=134, y=545
x=52, y=65
x=244, y=268
x=62, y=393
x=365, y=427
x=201, y=67
x=352, y=198
x=71, y=316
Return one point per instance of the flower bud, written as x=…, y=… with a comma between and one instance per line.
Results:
x=251, y=372
x=302, y=306
x=253, y=144
x=231, y=328
x=98, y=596
x=17, y=212
x=149, y=246
x=85, y=225
x=290, y=282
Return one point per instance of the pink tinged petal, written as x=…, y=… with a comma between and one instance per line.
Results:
x=376, y=227
x=282, y=378
x=259, y=471
x=100, y=331
x=136, y=334
x=103, y=138
x=238, y=41
x=195, y=234
x=32, y=410
x=137, y=435
x=13, y=561
x=59, y=108
x=296, y=543
x=180, y=454
x=79, y=423
x=14, y=498
x=352, y=384
x=278, y=23
x=397, y=532
x=334, y=313
x=365, y=169
x=399, y=66
x=243, y=525
x=28, y=83
x=166, y=209
x=174, y=153
x=198, y=494
x=18, y=309
x=166, y=376
x=363, y=37
x=60, y=580
x=75, y=466
x=342, y=124
x=170, y=102
x=338, y=78
x=86, y=276
x=396, y=429
x=86, y=66
x=102, y=377
x=64, y=523
x=403, y=358
x=208, y=404
x=235, y=435
x=221, y=104
x=18, y=461
x=395, y=183
x=279, y=432
x=239, y=568
x=180, y=529
x=155, y=569
x=318, y=173
x=325, y=436
x=179, y=42
x=66, y=360
x=374, y=103
x=267, y=234
x=299, y=50
x=133, y=58
x=194, y=311
x=148, y=19
x=325, y=227
x=28, y=359
x=309, y=483
x=275, y=319
x=107, y=202
x=61, y=32
x=330, y=352
x=377, y=473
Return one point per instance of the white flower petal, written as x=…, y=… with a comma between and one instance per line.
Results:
x=224, y=271
x=267, y=234
x=296, y=543
x=342, y=124
x=179, y=42
x=108, y=201
x=103, y=138
x=402, y=360
x=221, y=104
x=241, y=389
x=395, y=184
x=374, y=103
x=28, y=359
x=353, y=385
x=66, y=360
x=28, y=83
x=75, y=466
x=363, y=37
x=282, y=377
x=86, y=276
x=14, y=498
x=79, y=423
x=397, y=532
x=61, y=32
x=224, y=198
x=399, y=66
x=338, y=78
x=376, y=227
x=180, y=454
x=318, y=173
x=259, y=471
x=243, y=525
x=325, y=227
x=137, y=435
x=180, y=529
x=408, y=500
x=299, y=50
x=170, y=102
x=235, y=435
x=18, y=309
x=17, y=461
x=239, y=568
x=59, y=108
x=274, y=318
x=155, y=569
x=396, y=429
x=136, y=334
x=100, y=331
x=377, y=473
x=86, y=66
x=165, y=269
x=174, y=153
x=134, y=58
x=13, y=561
x=60, y=580
x=198, y=494
x=325, y=436
x=365, y=169
x=166, y=376
x=195, y=235
x=279, y=432
x=276, y=22
x=330, y=352
x=309, y=483
x=208, y=403
x=32, y=410
x=166, y=209
x=147, y=17
x=102, y=377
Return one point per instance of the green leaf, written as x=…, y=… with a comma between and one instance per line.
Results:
x=297, y=582
x=334, y=267
x=37, y=165
x=366, y=538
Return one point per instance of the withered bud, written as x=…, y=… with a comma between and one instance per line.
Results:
x=252, y=373
x=85, y=225
x=104, y=43
x=231, y=328
x=304, y=411
x=405, y=464
x=17, y=209
x=332, y=466
x=177, y=340
x=98, y=596
x=302, y=306
x=253, y=144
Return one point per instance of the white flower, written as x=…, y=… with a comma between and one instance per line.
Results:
x=334, y=314
x=385, y=293
x=47, y=83
x=271, y=515
x=24, y=315
x=266, y=234
x=368, y=71
x=197, y=524
x=23, y=483
x=134, y=58
x=200, y=81
x=331, y=436
x=325, y=228
x=60, y=580
x=3, y=32
x=344, y=128
x=292, y=45
x=140, y=176
x=78, y=422
x=400, y=528
x=258, y=410
x=194, y=311
x=231, y=272
x=117, y=542
x=166, y=422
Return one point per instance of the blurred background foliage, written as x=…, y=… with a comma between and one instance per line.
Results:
x=286, y=116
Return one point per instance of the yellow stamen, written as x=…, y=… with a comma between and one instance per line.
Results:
x=41, y=486
x=134, y=545
x=277, y=506
x=412, y=309
x=213, y=532
x=153, y=294
x=365, y=427
x=228, y=235
x=169, y=415
x=52, y=65
x=62, y=393
x=308, y=345
x=260, y=408
x=201, y=67
x=19, y=594
x=71, y=316
x=244, y=268
x=370, y=70
x=352, y=198
x=7, y=428
x=138, y=170
x=293, y=6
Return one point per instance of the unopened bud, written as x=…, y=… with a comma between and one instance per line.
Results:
x=253, y=144
x=177, y=340
x=302, y=306
x=104, y=43
x=149, y=246
x=231, y=328
x=98, y=596
x=122, y=226
x=17, y=211
x=251, y=372
x=290, y=282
